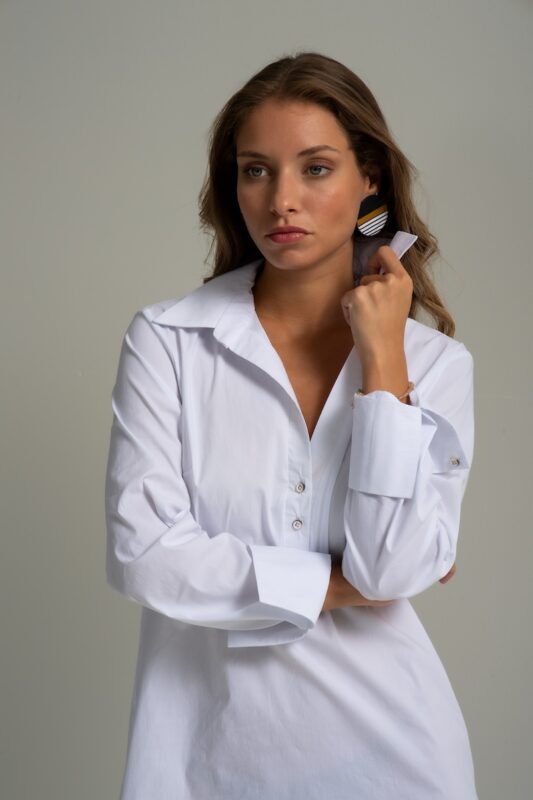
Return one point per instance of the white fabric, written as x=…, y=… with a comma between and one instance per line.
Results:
x=243, y=688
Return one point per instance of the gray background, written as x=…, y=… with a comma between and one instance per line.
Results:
x=105, y=108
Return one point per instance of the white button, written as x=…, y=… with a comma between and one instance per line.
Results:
x=300, y=487
x=297, y=524
x=455, y=461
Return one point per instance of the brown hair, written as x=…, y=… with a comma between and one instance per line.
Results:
x=313, y=77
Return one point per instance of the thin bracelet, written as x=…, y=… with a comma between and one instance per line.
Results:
x=360, y=392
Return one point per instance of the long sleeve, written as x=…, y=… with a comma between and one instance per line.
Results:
x=409, y=467
x=157, y=554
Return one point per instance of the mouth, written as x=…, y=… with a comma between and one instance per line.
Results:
x=287, y=229
x=287, y=236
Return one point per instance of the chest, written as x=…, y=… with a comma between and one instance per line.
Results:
x=312, y=366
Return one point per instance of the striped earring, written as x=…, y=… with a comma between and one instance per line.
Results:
x=373, y=215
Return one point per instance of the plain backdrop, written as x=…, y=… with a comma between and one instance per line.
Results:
x=105, y=108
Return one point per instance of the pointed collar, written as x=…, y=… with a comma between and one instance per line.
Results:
x=205, y=305
x=226, y=304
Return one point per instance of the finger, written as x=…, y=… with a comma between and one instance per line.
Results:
x=346, y=311
x=375, y=603
x=386, y=260
x=449, y=575
x=372, y=279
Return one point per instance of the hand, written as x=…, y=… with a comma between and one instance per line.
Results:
x=341, y=593
x=450, y=574
x=377, y=309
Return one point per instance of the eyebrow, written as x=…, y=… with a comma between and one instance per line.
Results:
x=307, y=152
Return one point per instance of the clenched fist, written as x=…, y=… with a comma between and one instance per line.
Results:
x=377, y=309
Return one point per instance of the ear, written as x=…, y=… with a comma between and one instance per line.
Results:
x=371, y=187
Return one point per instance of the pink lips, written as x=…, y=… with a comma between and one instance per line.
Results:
x=287, y=237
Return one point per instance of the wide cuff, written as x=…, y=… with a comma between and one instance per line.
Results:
x=388, y=440
x=386, y=445
x=283, y=633
x=291, y=584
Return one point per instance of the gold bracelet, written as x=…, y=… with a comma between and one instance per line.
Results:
x=360, y=392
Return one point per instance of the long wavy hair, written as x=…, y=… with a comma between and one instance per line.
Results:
x=313, y=77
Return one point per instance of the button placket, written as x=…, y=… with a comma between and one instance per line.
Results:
x=298, y=497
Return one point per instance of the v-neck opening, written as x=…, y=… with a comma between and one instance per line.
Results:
x=328, y=400
x=312, y=439
x=332, y=392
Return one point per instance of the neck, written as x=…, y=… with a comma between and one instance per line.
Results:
x=305, y=300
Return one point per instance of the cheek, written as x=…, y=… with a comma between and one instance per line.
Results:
x=337, y=204
x=247, y=200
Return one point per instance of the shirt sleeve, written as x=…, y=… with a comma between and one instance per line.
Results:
x=157, y=554
x=409, y=467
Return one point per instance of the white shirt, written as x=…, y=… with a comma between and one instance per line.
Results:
x=223, y=521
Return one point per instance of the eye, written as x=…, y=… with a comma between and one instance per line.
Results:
x=319, y=166
x=246, y=170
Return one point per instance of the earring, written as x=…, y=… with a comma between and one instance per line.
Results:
x=373, y=215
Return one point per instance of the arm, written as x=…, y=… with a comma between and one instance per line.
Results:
x=409, y=468
x=341, y=593
x=409, y=461
x=157, y=554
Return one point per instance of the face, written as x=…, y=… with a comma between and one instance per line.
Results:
x=277, y=185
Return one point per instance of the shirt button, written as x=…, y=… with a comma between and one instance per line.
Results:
x=297, y=524
x=300, y=487
x=455, y=461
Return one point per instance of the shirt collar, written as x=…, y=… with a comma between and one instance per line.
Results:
x=205, y=305
x=226, y=304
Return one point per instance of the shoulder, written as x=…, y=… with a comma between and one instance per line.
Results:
x=420, y=337
x=429, y=352
x=175, y=323
x=152, y=311
x=203, y=306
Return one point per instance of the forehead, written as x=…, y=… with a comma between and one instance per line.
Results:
x=291, y=120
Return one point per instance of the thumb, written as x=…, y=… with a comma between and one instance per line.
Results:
x=346, y=303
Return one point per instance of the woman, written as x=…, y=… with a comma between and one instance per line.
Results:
x=289, y=452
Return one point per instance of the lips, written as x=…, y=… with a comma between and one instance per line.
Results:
x=287, y=237
x=287, y=229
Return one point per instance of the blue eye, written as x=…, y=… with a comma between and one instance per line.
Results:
x=320, y=166
x=246, y=170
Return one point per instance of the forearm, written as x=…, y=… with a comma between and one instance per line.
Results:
x=407, y=475
x=386, y=372
x=342, y=593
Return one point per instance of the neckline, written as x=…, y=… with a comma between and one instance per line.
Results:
x=339, y=380
x=331, y=397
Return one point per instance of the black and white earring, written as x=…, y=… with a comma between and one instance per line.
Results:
x=373, y=215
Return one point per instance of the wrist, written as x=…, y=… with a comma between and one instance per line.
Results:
x=385, y=372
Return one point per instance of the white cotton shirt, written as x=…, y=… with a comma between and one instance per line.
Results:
x=223, y=520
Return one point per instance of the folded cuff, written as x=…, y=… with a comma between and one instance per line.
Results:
x=292, y=585
x=388, y=440
x=386, y=445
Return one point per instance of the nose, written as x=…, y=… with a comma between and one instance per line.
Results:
x=284, y=195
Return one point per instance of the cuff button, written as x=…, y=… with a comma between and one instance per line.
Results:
x=455, y=461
